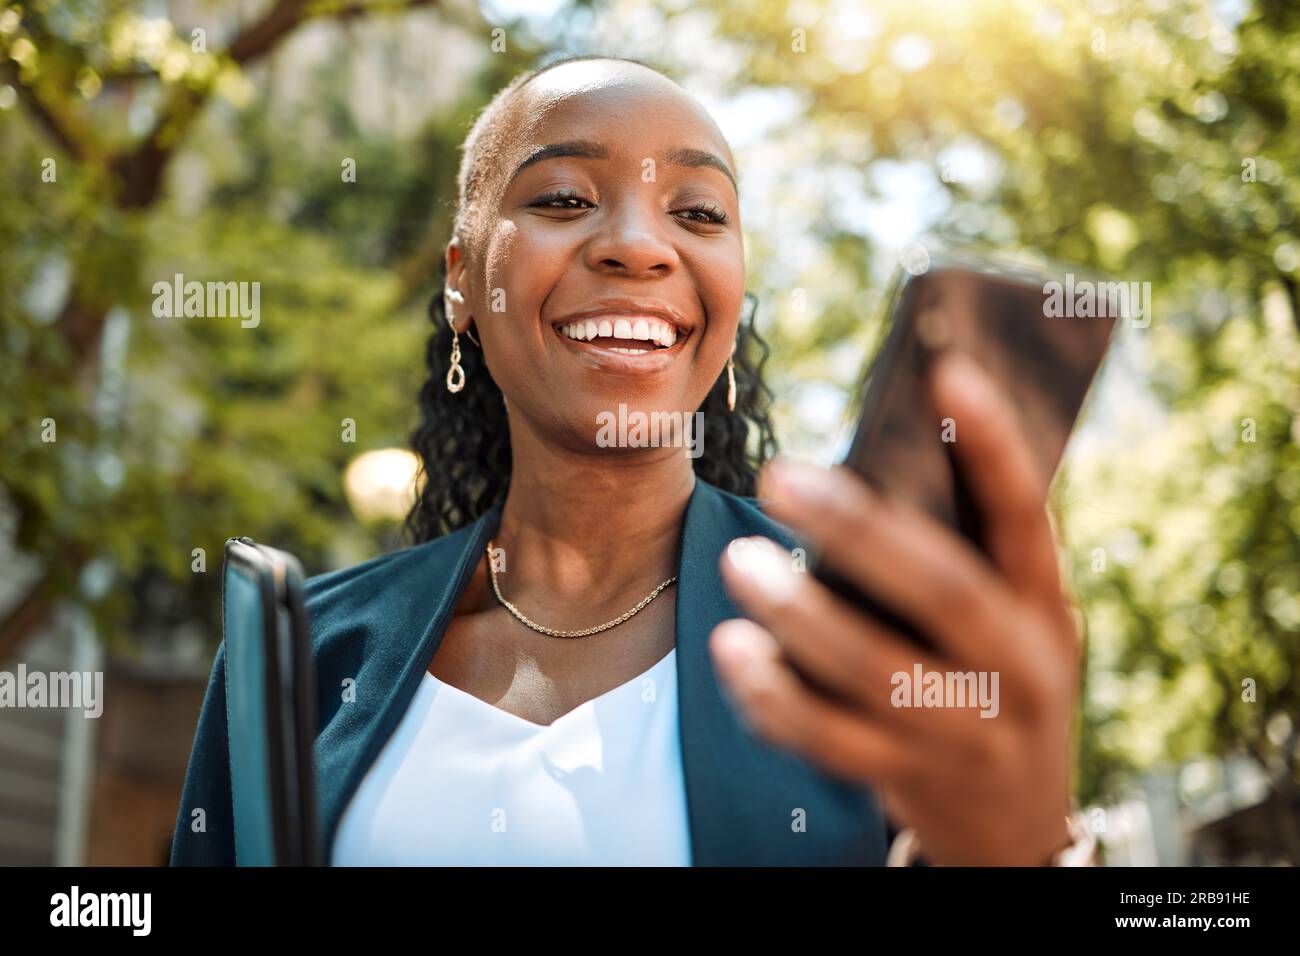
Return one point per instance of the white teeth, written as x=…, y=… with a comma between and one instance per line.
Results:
x=615, y=348
x=654, y=330
x=580, y=330
x=663, y=333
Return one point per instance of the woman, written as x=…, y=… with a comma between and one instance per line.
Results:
x=556, y=672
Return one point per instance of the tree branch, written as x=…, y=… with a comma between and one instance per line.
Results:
x=259, y=38
x=141, y=169
x=53, y=125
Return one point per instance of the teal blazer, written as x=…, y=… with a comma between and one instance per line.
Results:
x=380, y=623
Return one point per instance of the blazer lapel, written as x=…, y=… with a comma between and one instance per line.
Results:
x=749, y=803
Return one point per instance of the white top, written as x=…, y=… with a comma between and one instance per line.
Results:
x=464, y=783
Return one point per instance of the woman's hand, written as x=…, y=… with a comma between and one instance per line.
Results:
x=990, y=789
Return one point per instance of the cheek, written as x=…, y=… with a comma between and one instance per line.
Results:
x=721, y=285
x=522, y=267
x=503, y=281
x=515, y=285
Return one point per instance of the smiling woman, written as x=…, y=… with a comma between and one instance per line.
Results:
x=556, y=671
x=552, y=184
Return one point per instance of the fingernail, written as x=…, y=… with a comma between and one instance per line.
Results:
x=739, y=657
x=732, y=647
x=733, y=655
x=765, y=565
x=796, y=480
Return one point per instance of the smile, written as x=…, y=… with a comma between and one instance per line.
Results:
x=624, y=340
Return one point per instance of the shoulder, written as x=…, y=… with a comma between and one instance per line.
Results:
x=421, y=560
x=374, y=596
x=334, y=597
x=322, y=589
x=743, y=515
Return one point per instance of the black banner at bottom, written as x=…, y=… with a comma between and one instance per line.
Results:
x=332, y=906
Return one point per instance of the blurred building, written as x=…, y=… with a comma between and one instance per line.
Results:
x=98, y=791
x=1211, y=812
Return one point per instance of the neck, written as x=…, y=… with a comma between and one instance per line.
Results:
x=583, y=533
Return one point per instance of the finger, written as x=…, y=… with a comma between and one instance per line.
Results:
x=904, y=558
x=1005, y=477
x=833, y=643
x=779, y=708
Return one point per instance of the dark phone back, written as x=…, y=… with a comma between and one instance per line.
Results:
x=998, y=314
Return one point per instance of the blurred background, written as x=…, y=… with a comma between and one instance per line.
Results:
x=312, y=146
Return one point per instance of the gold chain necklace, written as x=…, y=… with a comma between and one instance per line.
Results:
x=552, y=632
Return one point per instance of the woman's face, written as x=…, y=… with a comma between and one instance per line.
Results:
x=613, y=213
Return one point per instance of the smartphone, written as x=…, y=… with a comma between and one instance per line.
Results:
x=1008, y=318
x=271, y=706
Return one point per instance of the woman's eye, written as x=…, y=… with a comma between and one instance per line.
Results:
x=706, y=213
x=703, y=213
x=562, y=201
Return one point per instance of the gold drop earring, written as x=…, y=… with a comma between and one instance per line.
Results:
x=731, y=381
x=455, y=374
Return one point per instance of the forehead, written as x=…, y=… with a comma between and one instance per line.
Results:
x=628, y=108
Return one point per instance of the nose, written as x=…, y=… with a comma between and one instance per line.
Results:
x=630, y=241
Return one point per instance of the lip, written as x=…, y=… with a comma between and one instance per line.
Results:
x=598, y=357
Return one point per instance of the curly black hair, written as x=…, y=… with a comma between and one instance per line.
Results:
x=463, y=439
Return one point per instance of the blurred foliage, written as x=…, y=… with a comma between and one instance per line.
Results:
x=1154, y=139
x=198, y=428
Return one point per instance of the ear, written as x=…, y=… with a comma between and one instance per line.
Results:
x=455, y=293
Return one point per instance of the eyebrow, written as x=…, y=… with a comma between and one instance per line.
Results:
x=584, y=149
